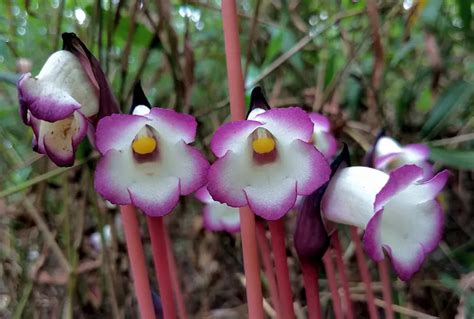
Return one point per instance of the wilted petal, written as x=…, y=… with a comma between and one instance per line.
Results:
x=59, y=140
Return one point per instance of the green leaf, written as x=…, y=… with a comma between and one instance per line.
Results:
x=464, y=9
x=274, y=47
x=424, y=100
x=451, y=101
x=460, y=159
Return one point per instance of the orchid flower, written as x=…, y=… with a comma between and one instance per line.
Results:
x=266, y=161
x=388, y=155
x=61, y=102
x=399, y=212
x=146, y=159
x=322, y=139
x=217, y=216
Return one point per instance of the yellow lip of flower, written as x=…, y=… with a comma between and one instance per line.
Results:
x=263, y=145
x=144, y=145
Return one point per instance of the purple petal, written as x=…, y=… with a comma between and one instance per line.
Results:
x=172, y=125
x=399, y=179
x=155, y=198
x=232, y=136
x=320, y=122
x=272, y=203
x=44, y=101
x=118, y=131
x=287, y=124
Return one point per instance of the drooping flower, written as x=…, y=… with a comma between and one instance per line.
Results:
x=266, y=160
x=323, y=139
x=146, y=159
x=311, y=237
x=399, y=212
x=64, y=99
x=218, y=216
x=388, y=155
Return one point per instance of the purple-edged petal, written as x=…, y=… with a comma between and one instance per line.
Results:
x=155, y=198
x=325, y=143
x=203, y=195
x=226, y=179
x=297, y=163
x=398, y=181
x=320, y=122
x=184, y=162
x=44, y=100
x=386, y=145
x=232, y=136
x=287, y=124
x=220, y=217
x=172, y=125
x=153, y=185
x=118, y=131
x=306, y=165
x=59, y=140
x=416, y=152
x=272, y=201
x=408, y=233
x=384, y=161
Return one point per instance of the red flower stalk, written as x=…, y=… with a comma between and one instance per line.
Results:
x=237, y=106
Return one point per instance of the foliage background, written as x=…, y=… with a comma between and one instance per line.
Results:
x=413, y=76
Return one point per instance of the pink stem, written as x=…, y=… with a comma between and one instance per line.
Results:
x=277, y=231
x=384, y=272
x=174, y=277
x=332, y=283
x=268, y=267
x=160, y=258
x=311, y=287
x=342, y=274
x=364, y=273
x=237, y=110
x=137, y=261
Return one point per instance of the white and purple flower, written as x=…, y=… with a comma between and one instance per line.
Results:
x=388, y=155
x=266, y=161
x=323, y=139
x=399, y=212
x=217, y=216
x=64, y=99
x=146, y=159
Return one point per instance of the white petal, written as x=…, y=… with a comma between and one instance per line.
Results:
x=386, y=145
x=350, y=196
x=63, y=71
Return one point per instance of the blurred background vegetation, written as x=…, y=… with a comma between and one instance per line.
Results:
x=403, y=66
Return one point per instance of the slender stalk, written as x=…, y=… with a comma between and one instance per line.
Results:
x=332, y=283
x=160, y=257
x=237, y=109
x=137, y=261
x=364, y=273
x=342, y=274
x=277, y=231
x=384, y=273
x=268, y=267
x=311, y=288
x=174, y=277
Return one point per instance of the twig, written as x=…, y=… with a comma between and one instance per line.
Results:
x=48, y=236
x=396, y=308
x=45, y=176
